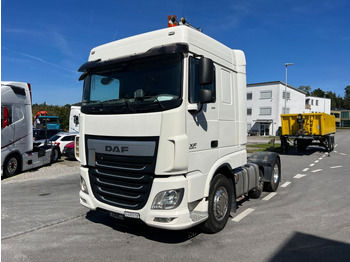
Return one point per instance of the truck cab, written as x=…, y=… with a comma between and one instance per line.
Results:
x=17, y=149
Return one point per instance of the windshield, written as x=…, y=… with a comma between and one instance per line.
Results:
x=145, y=85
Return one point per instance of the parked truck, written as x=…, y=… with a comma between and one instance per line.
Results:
x=18, y=152
x=74, y=119
x=307, y=129
x=163, y=131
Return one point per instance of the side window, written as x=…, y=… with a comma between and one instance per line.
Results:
x=68, y=138
x=17, y=113
x=194, y=82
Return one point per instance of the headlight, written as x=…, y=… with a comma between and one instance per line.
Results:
x=168, y=199
x=83, y=185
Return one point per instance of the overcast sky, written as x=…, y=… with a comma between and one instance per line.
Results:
x=45, y=42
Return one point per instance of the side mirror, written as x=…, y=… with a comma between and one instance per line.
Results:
x=205, y=96
x=5, y=121
x=206, y=67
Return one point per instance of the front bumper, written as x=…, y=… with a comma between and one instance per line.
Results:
x=175, y=219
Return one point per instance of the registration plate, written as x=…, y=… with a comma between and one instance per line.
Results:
x=116, y=215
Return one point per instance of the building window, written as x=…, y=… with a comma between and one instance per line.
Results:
x=312, y=102
x=345, y=114
x=284, y=95
x=266, y=111
x=316, y=102
x=249, y=111
x=265, y=94
x=249, y=96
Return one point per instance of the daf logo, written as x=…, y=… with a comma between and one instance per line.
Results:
x=119, y=149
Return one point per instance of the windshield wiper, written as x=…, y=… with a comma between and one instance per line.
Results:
x=156, y=100
x=120, y=100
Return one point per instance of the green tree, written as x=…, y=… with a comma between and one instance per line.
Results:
x=306, y=89
x=318, y=92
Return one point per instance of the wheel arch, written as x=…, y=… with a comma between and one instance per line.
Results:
x=224, y=169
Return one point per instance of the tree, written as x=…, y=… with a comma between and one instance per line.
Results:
x=318, y=92
x=347, y=93
x=306, y=89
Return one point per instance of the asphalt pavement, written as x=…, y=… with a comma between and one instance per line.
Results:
x=307, y=219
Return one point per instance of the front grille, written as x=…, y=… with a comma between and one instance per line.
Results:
x=123, y=181
x=121, y=189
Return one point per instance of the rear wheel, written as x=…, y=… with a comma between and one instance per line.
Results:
x=275, y=177
x=55, y=154
x=220, y=201
x=12, y=165
x=256, y=192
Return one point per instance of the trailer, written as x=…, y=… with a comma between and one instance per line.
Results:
x=308, y=129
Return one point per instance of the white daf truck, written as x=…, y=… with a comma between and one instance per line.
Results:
x=18, y=152
x=163, y=131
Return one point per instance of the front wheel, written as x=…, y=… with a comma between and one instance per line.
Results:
x=220, y=201
x=12, y=166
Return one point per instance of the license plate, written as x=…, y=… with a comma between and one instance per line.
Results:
x=116, y=215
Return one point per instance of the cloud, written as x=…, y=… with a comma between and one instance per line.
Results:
x=39, y=59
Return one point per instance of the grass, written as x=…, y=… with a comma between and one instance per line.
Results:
x=251, y=148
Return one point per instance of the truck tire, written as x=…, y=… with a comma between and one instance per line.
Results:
x=219, y=207
x=256, y=192
x=12, y=165
x=55, y=155
x=275, y=177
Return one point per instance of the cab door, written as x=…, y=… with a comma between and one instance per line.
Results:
x=202, y=126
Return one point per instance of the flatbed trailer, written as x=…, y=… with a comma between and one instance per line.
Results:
x=307, y=129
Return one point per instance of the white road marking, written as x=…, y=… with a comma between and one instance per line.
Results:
x=286, y=184
x=311, y=164
x=320, y=158
x=343, y=154
x=299, y=175
x=306, y=169
x=269, y=196
x=317, y=170
x=336, y=166
x=335, y=151
x=243, y=214
x=316, y=161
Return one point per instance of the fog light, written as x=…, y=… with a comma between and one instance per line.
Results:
x=83, y=185
x=163, y=219
x=168, y=199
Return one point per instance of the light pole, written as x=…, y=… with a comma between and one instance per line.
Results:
x=285, y=89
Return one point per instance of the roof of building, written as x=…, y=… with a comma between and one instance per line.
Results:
x=274, y=83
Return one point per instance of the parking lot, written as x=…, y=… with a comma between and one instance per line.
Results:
x=307, y=219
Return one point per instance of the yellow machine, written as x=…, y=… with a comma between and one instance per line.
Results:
x=307, y=129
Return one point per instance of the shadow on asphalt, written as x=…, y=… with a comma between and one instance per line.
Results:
x=304, y=247
x=309, y=151
x=140, y=229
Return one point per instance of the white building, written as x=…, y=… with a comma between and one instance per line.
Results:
x=317, y=105
x=266, y=102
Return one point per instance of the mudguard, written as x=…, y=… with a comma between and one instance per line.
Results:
x=266, y=160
